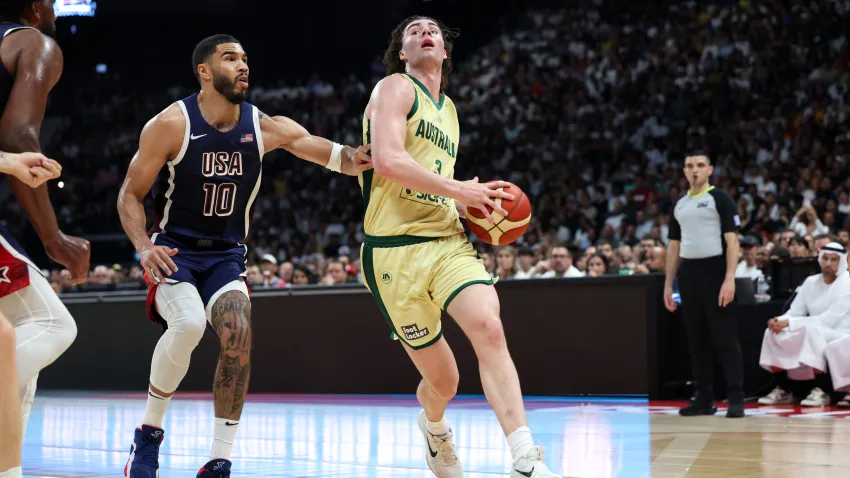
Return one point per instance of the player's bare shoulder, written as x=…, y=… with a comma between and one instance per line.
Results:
x=165, y=132
x=35, y=45
x=394, y=91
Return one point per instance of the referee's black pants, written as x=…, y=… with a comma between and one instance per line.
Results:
x=710, y=327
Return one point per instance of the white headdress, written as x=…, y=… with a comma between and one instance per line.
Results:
x=836, y=248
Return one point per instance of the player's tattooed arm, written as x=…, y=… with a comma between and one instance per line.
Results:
x=282, y=132
x=231, y=320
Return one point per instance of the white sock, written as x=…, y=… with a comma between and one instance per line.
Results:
x=155, y=410
x=520, y=442
x=437, y=428
x=15, y=472
x=225, y=434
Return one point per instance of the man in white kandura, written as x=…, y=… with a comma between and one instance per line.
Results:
x=797, y=340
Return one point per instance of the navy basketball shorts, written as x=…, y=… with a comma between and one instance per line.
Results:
x=207, y=269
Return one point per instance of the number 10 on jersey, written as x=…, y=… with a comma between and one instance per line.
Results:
x=219, y=199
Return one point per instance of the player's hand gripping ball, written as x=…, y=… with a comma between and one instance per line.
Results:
x=503, y=230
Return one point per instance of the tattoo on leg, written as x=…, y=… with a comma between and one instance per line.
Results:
x=231, y=319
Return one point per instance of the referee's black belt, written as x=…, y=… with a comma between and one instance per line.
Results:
x=704, y=259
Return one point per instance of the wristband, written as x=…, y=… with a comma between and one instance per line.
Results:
x=335, y=162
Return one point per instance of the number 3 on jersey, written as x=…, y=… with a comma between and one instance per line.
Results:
x=219, y=199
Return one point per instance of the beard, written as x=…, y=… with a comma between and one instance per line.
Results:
x=227, y=88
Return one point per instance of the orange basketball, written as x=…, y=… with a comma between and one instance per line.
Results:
x=503, y=230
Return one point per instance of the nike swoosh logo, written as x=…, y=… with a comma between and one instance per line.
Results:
x=230, y=424
x=524, y=473
x=430, y=450
x=154, y=396
x=196, y=137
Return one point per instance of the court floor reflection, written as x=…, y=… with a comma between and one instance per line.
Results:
x=88, y=435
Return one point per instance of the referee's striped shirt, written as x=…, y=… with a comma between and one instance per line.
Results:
x=700, y=221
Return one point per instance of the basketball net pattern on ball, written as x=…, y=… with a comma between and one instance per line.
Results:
x=500, y=225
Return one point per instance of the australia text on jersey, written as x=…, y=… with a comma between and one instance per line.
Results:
x=432, y=133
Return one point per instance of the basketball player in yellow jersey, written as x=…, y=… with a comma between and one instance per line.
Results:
x=416, y=258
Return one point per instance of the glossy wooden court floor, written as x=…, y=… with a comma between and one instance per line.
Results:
x=88, y=435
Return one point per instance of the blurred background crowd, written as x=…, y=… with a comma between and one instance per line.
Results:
x=591, y=117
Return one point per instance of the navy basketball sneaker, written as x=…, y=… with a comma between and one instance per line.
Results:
x=144, y=453
x=218, y=468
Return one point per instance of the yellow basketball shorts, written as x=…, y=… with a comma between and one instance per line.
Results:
x=413, y=278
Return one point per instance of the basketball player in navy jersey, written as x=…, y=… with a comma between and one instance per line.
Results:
x=30, y=65
x=202, y=156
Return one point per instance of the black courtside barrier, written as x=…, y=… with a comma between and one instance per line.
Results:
x=567, y=337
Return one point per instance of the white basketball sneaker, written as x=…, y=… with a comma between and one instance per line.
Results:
x=531, y=466
x=777, y=396
x=816, y=399
x=440, y=453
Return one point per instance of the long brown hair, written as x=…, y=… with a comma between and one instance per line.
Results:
x=512, y=251
x=394, y=64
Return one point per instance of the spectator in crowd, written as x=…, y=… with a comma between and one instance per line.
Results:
x=506, y=262
x=625, y=258
x=597, y=265
x=796, y=341
x=763, y=260
x=821, y=240
x=646, y=245
x=605, y=248
x=255, y=276
x=655, y=262
x=302, y=275
x=844, y=238
x=806, y=222
x=526, y=264
x=559, y=265
x=102, y=275
x=285, y=272
x=336, y=273
x=748, y=268
x=798, y=247
x=268, y=264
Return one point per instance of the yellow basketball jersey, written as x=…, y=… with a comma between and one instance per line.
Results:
x=432, y=139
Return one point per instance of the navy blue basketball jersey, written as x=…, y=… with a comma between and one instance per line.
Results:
x=206, y=192
x=7, y=80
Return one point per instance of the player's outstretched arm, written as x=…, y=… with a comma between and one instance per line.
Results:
x=160, y=141
x=38, y=69
x=282, y=132
x=390, y=103
x=32, y=169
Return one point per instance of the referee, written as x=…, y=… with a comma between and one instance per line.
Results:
x=704, y=235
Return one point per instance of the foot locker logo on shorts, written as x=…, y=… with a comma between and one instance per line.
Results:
x=412, y=332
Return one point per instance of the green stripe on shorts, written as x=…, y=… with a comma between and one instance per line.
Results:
x=367, y=262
